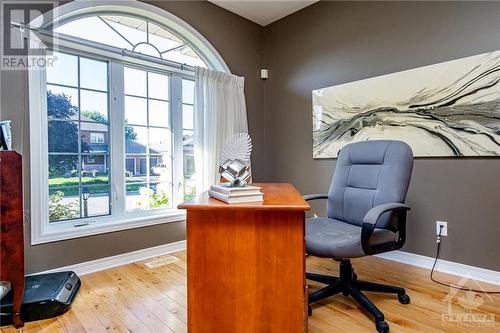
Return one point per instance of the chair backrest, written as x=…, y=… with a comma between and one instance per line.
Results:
x=368, y=174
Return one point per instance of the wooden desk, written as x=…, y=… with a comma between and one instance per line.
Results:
x=246, y=264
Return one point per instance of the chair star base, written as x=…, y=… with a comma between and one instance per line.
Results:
x=349, y=285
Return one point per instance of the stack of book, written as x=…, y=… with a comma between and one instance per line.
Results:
x=233, y=195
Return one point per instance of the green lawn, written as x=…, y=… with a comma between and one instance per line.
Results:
x=74, y=181
x=71, y=185
x=134, y=187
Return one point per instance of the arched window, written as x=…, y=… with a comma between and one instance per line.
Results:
x=133, y=34
x=115, y=136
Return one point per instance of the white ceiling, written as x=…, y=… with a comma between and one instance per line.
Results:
x=261, y=11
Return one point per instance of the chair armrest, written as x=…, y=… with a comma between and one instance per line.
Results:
x=309, y=197
x=373, y=215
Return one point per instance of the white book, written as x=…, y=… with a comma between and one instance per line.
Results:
x=236, y=199
x=248, y=189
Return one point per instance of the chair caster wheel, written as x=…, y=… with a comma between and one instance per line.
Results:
x=382, y=326
x=404, y=299
x=309, y=311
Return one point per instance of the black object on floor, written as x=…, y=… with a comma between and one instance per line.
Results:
x=349, y=285
x=45, y=296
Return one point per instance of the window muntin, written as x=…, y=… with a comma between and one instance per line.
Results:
x=73, y=114
x=133, y=34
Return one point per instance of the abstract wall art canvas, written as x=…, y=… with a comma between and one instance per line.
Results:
x=447, y=109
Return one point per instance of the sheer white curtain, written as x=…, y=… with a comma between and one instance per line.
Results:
x=220, y=112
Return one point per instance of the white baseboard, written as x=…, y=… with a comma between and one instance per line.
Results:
x=120, y=259
x=449, y=267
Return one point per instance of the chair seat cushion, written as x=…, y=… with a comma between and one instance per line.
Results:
x=331, y=238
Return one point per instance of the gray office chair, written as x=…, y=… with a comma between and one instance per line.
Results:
x=366, y=215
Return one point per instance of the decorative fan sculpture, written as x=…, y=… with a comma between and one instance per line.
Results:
x=235, y=160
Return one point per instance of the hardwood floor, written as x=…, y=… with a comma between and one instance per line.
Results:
x=135, y=298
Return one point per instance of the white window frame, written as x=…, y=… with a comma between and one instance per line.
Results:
x=41, y=230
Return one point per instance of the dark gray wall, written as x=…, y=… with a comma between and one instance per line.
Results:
x=239, y=42
x=325, y=44
x=333, y=42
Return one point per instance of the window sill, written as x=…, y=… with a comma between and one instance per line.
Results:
x=66, y=230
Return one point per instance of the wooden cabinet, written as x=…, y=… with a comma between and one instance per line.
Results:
x=11, y=227
x=246, y=264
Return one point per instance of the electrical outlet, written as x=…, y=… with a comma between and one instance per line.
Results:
x=444, y=232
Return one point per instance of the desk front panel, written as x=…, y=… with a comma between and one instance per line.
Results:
x=246, y=271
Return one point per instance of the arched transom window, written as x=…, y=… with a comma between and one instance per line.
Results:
x=133, y=34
